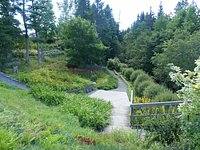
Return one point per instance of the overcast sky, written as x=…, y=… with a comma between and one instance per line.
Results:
x=126, y=11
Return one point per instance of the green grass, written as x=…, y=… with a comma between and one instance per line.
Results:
x=26, y=123
x=103, y=79
x=52, y=83
x=57, y=76
x=48, y=118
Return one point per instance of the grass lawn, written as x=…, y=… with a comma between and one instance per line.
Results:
x=26, y=123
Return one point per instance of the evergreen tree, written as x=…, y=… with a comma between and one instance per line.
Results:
x=24, y=11
x=9, y=31
x=160, y=11
x=82, y=43
x=106, y=26
x=182, y=4
x=82, y=9
x=66, y=8
x=42, y=21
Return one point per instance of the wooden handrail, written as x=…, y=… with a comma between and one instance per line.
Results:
x=154, y=104
x=140, y=105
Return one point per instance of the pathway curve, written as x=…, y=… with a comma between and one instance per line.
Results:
x=11, y=81
x=121, y=105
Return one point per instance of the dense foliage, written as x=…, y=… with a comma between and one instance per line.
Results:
x=82, y=43
x=50, y=81
x=88, y=35
x=190, y=83
x=106, y=26
x=91, y=113
x=29, y=124
x=143, y=84
x=9, y=31
x=102, y=79
x=153, y=41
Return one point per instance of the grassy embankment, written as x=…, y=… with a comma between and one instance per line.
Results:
x=27, y=123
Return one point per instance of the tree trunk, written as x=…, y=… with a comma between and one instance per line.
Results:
x=27, y=49
x=43, y=54
x=38, y=48
x=26, y=33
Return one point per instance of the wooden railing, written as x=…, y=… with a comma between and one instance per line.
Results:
x=163, y=109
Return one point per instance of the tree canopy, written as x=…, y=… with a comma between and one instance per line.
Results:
x=155, y=41
x=9, y=30
x=82, y=43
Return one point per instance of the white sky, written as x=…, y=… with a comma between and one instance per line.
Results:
x=129, y=9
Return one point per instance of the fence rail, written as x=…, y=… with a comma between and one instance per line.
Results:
x=168, y=108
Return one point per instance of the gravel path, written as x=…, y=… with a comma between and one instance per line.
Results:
x=121, y=105
x=11, y=81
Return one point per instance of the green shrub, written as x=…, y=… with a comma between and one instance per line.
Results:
x=46, y=95
x=57, y=78
x=163, y=129
x=128, y=72
x=91, y=112
x=103, y=79
x=135, y=74
x=108, y=83
x=190, y=113
x=123, y=71
x=141, y=78
x=142, y=86
x=122, y=66
x=113, y=64
x=153, y=90
x=166, y=96
x=21, y=53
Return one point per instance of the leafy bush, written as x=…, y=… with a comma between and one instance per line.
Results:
x=128, y=72
x=58, y=80
x=21, y=53
x=142, y=86
x=166, y=96
x=108, y=83
x=163, y=129
x=46, y=95
x=122, y=66
x=91, y=112
x=113, y=64
x=153, y=90
x=103, y=79
x=142, y=100
x=135, y=74
x=190, y=120
x=84, y=47
x=141, y=78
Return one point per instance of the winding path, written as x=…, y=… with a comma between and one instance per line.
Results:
x=118, y=98
x=121, y=105
x=11, y=81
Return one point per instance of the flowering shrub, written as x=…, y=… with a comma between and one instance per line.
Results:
x=190, y=82
x=56, y=79
x=167, y=128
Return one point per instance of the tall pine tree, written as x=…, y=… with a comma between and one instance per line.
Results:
x=9, y=31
